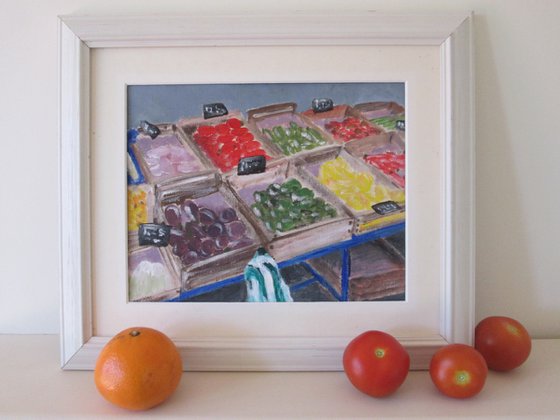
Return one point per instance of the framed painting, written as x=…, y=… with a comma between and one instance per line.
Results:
x=268, y=204
x=235, y=187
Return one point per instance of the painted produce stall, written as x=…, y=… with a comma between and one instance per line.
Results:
x=317, y=198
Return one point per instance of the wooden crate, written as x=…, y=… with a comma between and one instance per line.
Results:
x=270, y=116
x=143, y=197
x=376, y=271
x=221, y=263
x=389, y=142
x=364, y=220
x=338, y=114
x=301, y=240
x=188, y=126
x=199, y=165
x=374, y=110
x=153, y=255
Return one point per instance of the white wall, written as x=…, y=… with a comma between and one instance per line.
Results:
x=518, y=150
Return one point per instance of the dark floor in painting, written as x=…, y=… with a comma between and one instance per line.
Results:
x=233, y=293
x=314, y=292
x=399, y=242
x=295, y=274
x=298, y=277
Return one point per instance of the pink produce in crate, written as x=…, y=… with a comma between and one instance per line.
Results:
x=166, y=157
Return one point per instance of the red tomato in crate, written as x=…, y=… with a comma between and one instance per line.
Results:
x=458, y=371
x=350, y=128
x=228, y=142
x=245, y=137
x=206, y=130
x=222, y=128
x=234, y=123
x=239, y=131
x=376, y=363
x=503, y=342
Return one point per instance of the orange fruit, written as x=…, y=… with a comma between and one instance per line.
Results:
x=138, y=369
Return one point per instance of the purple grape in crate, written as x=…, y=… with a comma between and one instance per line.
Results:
x=193, y=230
x=189, y=211
x=222, y=242
x=207, y=247
x=228, y=215
x=236, y=230
x=189, y=257
x=180, y=246
x=215, y=229
x=172, y=215
x=206, y=216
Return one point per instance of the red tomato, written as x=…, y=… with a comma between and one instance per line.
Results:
x=228, y=147
x=458, y=371
x=224, y=138
x=246, y=137
x=234, y=123
x=222, y=128
x=251, y=146
x=206, y=130
x=239, y=131
x=376, y=363
x=503, y=342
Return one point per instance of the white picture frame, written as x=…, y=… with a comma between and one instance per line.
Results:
x=451, y=33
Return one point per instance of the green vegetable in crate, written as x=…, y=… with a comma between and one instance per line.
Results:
x=294, y=139
x=287, y=206
x=388, y=122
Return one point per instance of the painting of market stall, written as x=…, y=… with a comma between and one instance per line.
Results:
x=268, y=192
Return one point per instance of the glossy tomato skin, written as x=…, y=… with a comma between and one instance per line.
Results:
x=376, y=363
x=503, y=342
x=458, y=371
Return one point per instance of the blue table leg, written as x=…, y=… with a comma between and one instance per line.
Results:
x=345, y=271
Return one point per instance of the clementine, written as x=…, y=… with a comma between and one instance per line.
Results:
x=138, y=369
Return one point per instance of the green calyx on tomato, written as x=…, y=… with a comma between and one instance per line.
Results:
x=458, y=371
x=462, y=377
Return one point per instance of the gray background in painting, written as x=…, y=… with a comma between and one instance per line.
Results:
x=169, y=103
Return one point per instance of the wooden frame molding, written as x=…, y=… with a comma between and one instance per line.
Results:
x=453, y=33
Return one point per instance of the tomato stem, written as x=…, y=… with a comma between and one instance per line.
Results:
x=135, y=333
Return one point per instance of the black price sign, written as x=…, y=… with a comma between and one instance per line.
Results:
x=400, y=125
x=150, y=129
x=251, y=165
x=385, y=207
x=154, y=234
x=322, y=105
x=217, y=109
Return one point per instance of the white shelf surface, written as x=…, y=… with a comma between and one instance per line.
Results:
x=34, y=386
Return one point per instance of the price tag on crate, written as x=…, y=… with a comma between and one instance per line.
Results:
x=322, y=105
x=154, y=234
x=150, y=129
x=251, y=165
x=214, y=110
x=385, y=207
